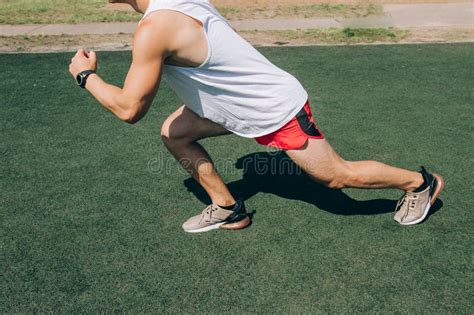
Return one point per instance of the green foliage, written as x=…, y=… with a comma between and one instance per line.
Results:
x=349, y=33
x=337, y=36
x=373, y=34
x=87, y=227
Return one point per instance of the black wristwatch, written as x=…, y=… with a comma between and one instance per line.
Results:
x=81, y=78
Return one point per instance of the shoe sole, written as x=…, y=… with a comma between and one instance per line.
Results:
x=222, y=225
x=439, y=188
x=236, y=225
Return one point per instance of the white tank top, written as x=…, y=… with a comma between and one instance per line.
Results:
x=236, y=87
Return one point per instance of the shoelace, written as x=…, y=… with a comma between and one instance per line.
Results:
x=406, y=203
x=207, y=213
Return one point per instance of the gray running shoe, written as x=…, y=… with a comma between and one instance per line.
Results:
x=413, y=207
x=215, y=217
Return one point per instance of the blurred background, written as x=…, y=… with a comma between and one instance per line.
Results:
x=65, y=25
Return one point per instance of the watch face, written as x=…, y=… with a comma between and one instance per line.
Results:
x=79, y=79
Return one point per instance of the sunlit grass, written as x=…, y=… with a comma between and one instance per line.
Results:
x=60, y=11
x=87, y=226
x=81, y=11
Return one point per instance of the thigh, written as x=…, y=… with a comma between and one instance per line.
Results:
x=318, y=159
x=185, y=124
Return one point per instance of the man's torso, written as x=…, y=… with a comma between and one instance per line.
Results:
x=219, y=75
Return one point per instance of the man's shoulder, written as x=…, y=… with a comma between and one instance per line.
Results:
x=155, y=23
x=155, y=32
x=162, y=25
x=160, y=20
x=163, y=29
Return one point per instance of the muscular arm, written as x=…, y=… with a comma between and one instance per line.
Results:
x=131, y=102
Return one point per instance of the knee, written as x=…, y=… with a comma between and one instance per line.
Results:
x=171, y=133
x=165, y=131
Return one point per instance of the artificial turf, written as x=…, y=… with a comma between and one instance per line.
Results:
x=91, y=208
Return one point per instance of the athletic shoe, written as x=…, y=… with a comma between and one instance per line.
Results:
x=215, y=217
x=413, y=207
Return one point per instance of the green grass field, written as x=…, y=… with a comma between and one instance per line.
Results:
x=90, y=224
x=61, y=11
x=82, y=11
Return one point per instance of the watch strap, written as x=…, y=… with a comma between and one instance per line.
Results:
x=84, y=75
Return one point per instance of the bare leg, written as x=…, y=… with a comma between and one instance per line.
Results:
x=320, y=161
x=180, y=133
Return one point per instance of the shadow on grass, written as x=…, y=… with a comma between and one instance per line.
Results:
x=276, y=174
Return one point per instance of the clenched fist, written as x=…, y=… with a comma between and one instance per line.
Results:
x=83, y=61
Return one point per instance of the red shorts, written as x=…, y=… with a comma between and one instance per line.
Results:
x=295, y=133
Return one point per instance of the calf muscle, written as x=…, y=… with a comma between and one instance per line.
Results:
x=322, y=163
x=180, y=133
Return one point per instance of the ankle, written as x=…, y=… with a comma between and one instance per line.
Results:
x=225, y=202
x=417, y=182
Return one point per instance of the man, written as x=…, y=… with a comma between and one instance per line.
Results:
x=228, y=86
